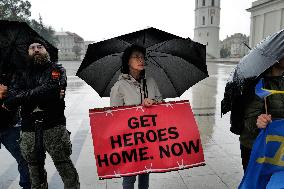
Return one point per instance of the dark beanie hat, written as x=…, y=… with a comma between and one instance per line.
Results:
x=37, y=40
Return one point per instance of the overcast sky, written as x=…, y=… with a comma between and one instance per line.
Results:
x=102, y=19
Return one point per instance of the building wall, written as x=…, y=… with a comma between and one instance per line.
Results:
x=235, y=45
x=66, y=44
x=207, y=21
x=267, y=17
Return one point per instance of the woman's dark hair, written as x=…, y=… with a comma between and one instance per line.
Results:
x=126, y=56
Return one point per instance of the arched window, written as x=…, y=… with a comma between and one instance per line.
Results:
x=203, y=20
x=211, y=19
x=203, y=2
x=213, y=3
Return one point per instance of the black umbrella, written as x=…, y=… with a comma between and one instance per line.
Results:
x=174, y=62
x=268, y=52
x=14, y=38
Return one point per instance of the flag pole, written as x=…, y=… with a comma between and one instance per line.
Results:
x=265, y=105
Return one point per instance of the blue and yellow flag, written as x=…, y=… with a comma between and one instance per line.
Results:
x=262, y=92
x=276, y=181
x=267, y=159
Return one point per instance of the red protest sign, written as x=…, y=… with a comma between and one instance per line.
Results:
x=134, y=139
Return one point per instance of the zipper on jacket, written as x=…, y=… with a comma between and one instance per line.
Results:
x=141, y=94
x=145, y=90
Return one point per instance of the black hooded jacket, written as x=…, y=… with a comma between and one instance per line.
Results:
x=8, y=118
x=38, y=88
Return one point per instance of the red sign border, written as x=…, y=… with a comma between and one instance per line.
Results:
x=116, y=108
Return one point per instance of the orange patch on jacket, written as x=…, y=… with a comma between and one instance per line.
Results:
x=55, y=74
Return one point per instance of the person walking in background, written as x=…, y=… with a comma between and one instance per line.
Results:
x=10, y=134
x=255, y=116
x=134, y=88
x=38, y=92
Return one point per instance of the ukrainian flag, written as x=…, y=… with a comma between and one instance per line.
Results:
x=262, y=92
x=266, y=164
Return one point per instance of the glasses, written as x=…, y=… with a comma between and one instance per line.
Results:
x=33, y=47
x=138, y=57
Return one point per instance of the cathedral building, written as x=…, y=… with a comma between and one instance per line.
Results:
x=267, y=17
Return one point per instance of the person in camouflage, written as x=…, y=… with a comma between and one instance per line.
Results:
x=254, y=111
x=37, y=91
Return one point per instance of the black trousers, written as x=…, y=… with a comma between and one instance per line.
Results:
x=245, y=155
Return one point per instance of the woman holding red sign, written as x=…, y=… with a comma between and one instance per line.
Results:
x=132, y=88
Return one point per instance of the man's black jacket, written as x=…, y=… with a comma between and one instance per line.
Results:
x=39, y=88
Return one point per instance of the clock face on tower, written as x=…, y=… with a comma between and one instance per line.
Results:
x=212, y=12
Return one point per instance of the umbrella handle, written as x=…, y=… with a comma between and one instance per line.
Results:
x=265, y=105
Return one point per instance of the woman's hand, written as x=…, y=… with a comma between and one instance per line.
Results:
x=148, y=102
x=263, y=120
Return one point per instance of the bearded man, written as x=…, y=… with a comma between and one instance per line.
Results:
x=38, y=92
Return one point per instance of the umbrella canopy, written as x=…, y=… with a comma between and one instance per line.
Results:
x=244, y=77
x=174, y=62
x=266, y=53
x=14, y=39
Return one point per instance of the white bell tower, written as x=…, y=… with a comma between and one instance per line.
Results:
x=207, y=21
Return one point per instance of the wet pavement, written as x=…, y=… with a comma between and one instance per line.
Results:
x=221, y=148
